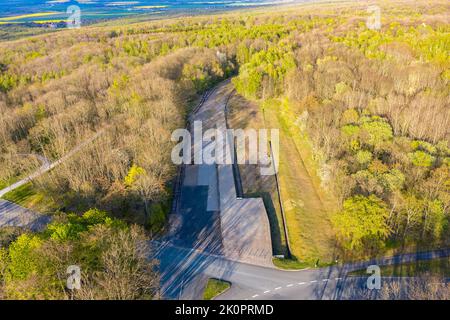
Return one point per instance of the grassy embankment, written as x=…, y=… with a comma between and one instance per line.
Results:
x=30, y=197
x=306, y=204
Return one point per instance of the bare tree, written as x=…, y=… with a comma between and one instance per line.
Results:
x=127, y=271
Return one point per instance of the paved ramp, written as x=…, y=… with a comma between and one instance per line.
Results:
x=197, y=222
x=244, y=222
x=210, y=217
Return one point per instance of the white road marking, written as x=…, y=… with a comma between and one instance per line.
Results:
x=289, y=285
x=337, y=279
x=301, y=283
x=267, y=291
x=277, y=288
x=324, y=280
x=312, y=281
x=254, y=296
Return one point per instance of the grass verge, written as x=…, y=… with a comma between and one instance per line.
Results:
x=214, y=287
x=291, y=264
x=30, y=197
x=6, y=183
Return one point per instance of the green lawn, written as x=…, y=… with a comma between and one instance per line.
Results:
x=7, y=183
x=214, y=287
x=291, y=264
x=30, y=197
x=437, y=267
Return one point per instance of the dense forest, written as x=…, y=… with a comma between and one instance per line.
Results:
x=374, y=104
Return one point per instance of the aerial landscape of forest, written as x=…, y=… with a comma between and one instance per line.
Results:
x=364, y=156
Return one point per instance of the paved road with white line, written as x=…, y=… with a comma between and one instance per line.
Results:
x=47, y=166
x=13, y=215
x=182, y=268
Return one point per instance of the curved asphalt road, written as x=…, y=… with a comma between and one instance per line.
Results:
x=183, y=269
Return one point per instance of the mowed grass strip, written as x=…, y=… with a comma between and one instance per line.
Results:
x=307, y=207
x=214, y=287
x=31, y=198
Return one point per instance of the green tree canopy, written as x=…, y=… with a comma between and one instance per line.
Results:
x=362, y=222
x=421, y=159
x=377, y=131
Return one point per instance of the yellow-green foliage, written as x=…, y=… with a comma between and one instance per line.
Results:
x=421, y=159
x=362, y=222
x=133, y=173
x=23, y=259
x=33, y=266
x=265, y=71
x=427, y=43
x=375, y=100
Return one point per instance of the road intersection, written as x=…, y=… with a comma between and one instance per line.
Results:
x=185, y=270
